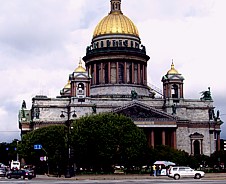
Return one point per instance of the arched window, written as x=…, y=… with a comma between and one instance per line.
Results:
x=121, y=73
x=92, y=74
x=113, y=73
x=196, y=147
x=135, y=73
x=141, y=75
x=98, y=74
x=129, y=73
x=80, y=89
x=175, y=91
x=196, y=143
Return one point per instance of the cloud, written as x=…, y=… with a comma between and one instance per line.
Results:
x=41, y=42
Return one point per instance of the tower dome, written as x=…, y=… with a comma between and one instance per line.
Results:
x=80, y=68
x=115, y=22
x=172, y=71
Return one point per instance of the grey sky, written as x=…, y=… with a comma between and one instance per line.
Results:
x=41, y=42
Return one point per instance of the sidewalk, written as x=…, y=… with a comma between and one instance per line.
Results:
x=208, y=176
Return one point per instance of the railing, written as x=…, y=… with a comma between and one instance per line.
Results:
x=155, y=89
x=114, y=49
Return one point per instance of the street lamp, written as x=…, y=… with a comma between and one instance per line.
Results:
x=67, y=123
x=17, y=155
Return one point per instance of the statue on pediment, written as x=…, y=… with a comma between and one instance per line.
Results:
x=133, y=94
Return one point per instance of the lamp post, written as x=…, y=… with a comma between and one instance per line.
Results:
x=17, y=155
x=67, y=123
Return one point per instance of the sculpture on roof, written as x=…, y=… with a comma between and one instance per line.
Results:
x=133, y=94
x=206, y=95
x=94, y=108
x=174, y=109
x=24, y=105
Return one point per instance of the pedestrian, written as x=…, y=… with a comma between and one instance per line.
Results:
x=154, y=170
x=159, y=170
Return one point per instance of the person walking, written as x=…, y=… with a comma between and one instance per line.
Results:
x=154, y=170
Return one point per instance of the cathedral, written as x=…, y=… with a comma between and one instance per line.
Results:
x=114, y=79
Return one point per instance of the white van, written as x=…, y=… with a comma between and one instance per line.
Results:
x=15, y=165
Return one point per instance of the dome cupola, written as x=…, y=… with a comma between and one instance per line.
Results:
x=172, y=71
x=116, y=60
x=80, y=68
x=115, y=22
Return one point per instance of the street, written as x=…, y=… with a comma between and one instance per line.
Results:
x=127, y=181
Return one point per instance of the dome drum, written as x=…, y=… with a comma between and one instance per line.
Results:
x=112, y=57
x=124, y=52
x=119, y=43
x=120, y=91
x=116, y=37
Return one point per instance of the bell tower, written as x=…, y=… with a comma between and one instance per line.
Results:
x=173, y=84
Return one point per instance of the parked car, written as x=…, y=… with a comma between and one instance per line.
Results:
x=31, y=168
x=19, y=174
x=177, y=172
x=2, y=172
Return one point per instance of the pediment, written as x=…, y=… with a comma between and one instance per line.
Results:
x=172, y=77
x=175, y=77
x=137, y=110
x=81, y=75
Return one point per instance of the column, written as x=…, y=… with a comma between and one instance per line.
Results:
x=182, y=91
x=143, y=82
x=132, y=73
x=174, y=139
x=87, y=89
x=125, y=72
x=192, y=147
x=149, y=139
x=95, y=74
x=145, y=75
x=200, y=147
x=169, y=91
x=109, y=73
x=163, y=137
x=218, y=141
x=116, y=72
x=101, y=74
x=138, y=73
x=72, y=88
x=152, y=138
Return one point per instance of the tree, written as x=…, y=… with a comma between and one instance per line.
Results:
x=167, y=153
x=52, y=139
x=103, y=140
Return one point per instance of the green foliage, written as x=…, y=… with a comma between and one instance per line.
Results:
x=52, y=139
x=166, y=153
x=104, y=140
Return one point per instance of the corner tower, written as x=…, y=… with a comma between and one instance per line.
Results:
x=116, y=60
x=173, y=84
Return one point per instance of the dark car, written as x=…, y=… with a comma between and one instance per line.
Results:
x=2, y=172
x=19, y=174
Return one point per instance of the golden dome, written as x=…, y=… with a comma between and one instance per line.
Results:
x=115, y=22
x=68, y=85
x=80, y=69
x=172, y=71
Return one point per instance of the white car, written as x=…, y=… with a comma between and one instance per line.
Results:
x=177, y=172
